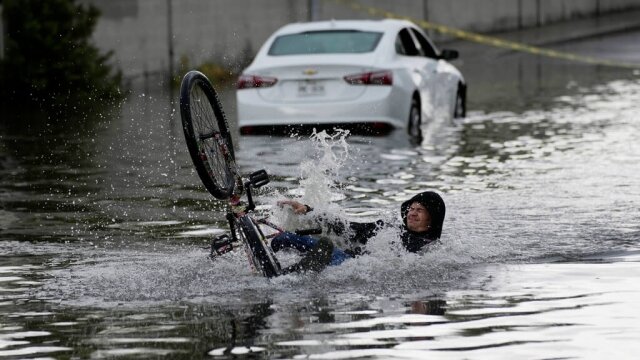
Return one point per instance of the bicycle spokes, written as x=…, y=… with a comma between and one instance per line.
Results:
x=207, y=135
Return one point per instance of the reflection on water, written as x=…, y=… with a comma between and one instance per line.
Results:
x=101, y=230
x=553, y=309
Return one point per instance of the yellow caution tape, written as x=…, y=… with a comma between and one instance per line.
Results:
x=487, y=40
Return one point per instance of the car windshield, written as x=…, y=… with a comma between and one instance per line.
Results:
x=325, y=42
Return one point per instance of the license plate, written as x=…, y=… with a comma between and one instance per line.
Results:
x=310, y=88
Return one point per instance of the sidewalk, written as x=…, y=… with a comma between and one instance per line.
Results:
x=551, y=34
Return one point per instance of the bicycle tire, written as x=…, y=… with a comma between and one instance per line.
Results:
x=261, y=255
x=207, y=135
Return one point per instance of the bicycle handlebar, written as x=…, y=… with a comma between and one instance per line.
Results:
x=256, y=180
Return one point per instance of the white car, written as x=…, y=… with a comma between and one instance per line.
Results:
x=377, y=74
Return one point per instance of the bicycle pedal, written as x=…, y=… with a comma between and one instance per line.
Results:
x=259, y=178
x=220, y=245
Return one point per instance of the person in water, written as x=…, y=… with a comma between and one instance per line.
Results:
x=422, y=217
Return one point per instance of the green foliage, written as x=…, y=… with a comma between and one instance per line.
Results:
x=49, y=58
x=218, y=74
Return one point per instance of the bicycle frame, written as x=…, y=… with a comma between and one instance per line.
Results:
x=241, y=223
x=210, y=146
x=237, y=208
x=260, y=254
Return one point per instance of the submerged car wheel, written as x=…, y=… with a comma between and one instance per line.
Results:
x=415, y=119
x=460, y=109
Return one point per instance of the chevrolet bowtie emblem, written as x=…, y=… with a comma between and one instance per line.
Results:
x=310, y=72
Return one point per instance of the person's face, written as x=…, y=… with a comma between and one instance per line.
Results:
x=418, y=218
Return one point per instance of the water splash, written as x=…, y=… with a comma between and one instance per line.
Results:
x=320, y=175
x=320, y=183
x=151, y=274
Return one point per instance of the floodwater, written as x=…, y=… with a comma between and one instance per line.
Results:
x=102, y=230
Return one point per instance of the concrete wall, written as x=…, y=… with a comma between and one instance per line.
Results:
x=229, y=32
x=1, y=34
x=222, y=31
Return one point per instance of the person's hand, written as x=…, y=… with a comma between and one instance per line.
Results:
x=298, y=208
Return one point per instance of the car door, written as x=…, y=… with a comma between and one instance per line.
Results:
x=442, y=85
x=422, y=68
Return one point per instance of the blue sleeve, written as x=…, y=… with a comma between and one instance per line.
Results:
x=304, y=244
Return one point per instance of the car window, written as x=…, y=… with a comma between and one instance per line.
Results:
x=400, y=47
x=405, y=44
x=426, y=48
x=325, y=42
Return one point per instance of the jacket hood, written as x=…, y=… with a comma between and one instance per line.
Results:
x=434, y=205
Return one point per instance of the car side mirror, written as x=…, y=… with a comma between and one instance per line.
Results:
x=449, y=54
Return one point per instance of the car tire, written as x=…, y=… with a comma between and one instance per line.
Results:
x=460, y=107
x=415, y=119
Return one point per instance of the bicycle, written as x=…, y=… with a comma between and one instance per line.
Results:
x=210, y=146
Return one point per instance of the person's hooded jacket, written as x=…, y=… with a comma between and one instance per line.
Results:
x=321, y=253
x=412, y=241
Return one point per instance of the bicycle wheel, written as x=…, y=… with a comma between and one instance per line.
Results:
x=207, y=135
x=260, y=254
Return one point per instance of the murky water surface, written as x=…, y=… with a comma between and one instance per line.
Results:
x=102, y=229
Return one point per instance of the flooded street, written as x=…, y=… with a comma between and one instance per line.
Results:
x=102, y=229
